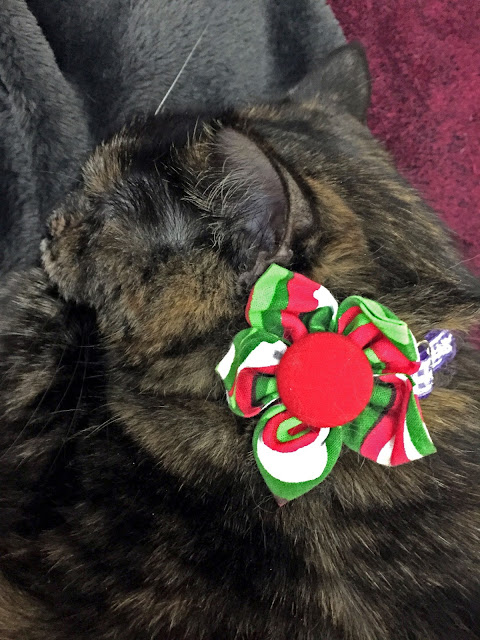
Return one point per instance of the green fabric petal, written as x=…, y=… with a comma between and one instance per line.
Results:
x=320, y=320
x=391, y=326
x=269, y=299
x=354, y=432
x=292, y=490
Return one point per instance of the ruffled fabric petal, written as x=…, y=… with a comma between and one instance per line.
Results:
x=386, y=340
x=280, y=297
x=292, y=457
x=391, y=430
x=248, y=369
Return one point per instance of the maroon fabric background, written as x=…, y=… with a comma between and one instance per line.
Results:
x=424, y=57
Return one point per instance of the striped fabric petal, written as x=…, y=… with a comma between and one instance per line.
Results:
x=392, y=431
x=253, y=354
x=387, y=341
x=279, y=298
x=291, y=457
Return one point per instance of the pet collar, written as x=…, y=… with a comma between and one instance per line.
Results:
x=323, y=375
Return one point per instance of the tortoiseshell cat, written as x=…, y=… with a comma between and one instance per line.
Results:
x=131, y=505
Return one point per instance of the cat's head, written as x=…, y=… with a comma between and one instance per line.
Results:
x=177, y=215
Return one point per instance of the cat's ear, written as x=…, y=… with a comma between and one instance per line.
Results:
x=343, y=78
x=254, y=202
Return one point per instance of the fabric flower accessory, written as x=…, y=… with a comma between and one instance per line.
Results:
x=323, y=375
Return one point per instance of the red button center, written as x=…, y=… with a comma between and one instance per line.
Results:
x=325, y=379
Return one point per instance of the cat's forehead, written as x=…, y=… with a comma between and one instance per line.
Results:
x=143, y=146
x=134, y=184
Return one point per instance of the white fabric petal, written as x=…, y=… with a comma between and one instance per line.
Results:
x=225, y=364
x=325, y=299
x=265, y=354
x=385, y=455
x=410, y=450
x=306, y=463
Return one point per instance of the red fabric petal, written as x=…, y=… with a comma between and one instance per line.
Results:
x=270, y=434
x=391, y=424
x=347, y=317
x=293, y=327
x=369, y=336
x=300, y=294
x=244, y=391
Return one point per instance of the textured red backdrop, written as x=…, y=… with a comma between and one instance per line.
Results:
x=425, y=62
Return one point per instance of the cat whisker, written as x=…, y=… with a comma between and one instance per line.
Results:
x=464, y=261
x=88, y=432
x=182, y=69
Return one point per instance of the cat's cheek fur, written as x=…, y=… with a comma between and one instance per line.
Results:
x=64, y=251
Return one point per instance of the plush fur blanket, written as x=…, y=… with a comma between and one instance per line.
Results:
x=72, y=71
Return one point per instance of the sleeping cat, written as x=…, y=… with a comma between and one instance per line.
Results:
x=131, y=505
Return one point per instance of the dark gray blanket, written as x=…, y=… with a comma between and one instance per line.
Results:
x=71, y=71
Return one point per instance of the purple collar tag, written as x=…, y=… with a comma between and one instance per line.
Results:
x=436, y=350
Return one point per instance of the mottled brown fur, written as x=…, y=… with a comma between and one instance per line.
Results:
x=131, y=505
